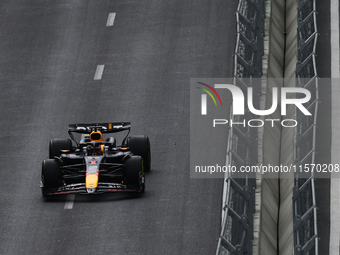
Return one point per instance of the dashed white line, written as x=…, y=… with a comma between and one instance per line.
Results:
x=99, y=72
x=97, y=76
x=111, y=19
x=69, y=201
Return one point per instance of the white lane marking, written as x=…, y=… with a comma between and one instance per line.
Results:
x=69, y=201
x=111, y=19
x=335, y=63
x=99, y=72
x=334, y=238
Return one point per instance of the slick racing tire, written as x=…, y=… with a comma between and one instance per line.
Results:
x=50, y=174
x=134, y=171
x=140, y=145
x=56, y=145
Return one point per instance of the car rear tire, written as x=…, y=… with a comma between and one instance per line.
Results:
x=56, y=145
x=50, y=174
x=134, y=171
x=140, y=145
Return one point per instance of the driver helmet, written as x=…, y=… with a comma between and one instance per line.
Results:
x=96, y=136
x=98, y=149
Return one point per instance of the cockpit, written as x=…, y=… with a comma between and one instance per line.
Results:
x=94, y=145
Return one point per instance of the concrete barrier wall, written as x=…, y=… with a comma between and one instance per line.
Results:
x=286, y=228
x=267, y=190
x=274, y=214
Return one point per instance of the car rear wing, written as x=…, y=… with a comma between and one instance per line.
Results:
x=112, y=127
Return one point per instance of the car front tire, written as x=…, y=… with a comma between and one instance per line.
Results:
x=50, y=174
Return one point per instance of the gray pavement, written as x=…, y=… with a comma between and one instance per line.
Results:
x=49, y=54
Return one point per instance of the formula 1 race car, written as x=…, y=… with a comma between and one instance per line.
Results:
x=96, y=165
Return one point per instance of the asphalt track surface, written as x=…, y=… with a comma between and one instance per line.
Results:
x=49, y=54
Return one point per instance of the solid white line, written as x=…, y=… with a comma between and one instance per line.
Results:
x=334, y=238
x=69, y=201
x=111, y=19
x=335, y=64
x=99, y=72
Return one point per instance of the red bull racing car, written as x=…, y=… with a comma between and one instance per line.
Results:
x=95, y=165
